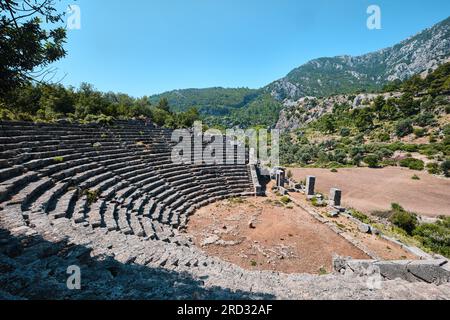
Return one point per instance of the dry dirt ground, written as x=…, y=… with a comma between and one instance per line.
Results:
x=369, y=190
x=262, y=234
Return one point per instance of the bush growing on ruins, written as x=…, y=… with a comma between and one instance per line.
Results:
x=285, y=200
x=435, y=236
x=372, y=160
x=236, y=200
x=413, y=164
x=403, y=219
x=322, y=271
x=316, y=202
x=92, y=195
x=360, y=216
x=99, y=119
x=58, y=159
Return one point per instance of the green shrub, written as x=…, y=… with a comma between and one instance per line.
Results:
x=285, y=200
x=410, y=148
x=429, y=149
x=445, y=167
x=345, y=132
x=92, y=195
x=403, y=128
x=385, y=153
x=433, y=168
x=389, y=162
x=360, y=216
x=396, y=146
x=322, y=271
x=419, y=132
x=5, y=114
x=425, y=119
x=415, y=177
x=413, y=164
x=383, y=137
x=403, y=219
x=446, y=129
x=23, y=116
x=316, y=203
x=372, y=160
x=345, y=141
x=435, y=236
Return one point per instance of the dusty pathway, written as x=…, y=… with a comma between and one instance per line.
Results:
x=369, y=190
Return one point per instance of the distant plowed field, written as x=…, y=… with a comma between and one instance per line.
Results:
x=368, y=190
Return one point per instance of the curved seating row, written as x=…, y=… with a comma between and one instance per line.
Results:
x=119, y=177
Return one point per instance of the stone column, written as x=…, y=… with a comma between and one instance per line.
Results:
x=280, y=178
x=335, y=197
x=310, y=184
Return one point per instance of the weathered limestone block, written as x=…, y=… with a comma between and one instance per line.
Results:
x=364, y=228
x=430, y=271
x=282, y=191
x=395, y=270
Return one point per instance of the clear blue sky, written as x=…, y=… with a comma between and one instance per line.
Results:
x=142, y=47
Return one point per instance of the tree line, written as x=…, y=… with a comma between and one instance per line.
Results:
x=49, y=102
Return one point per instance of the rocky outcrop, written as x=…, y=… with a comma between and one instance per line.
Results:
x=297, y=114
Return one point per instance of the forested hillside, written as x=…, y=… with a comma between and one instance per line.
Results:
x=407, y=125
x=209, y=101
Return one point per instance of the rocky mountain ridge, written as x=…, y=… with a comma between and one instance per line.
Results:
x=421, y=53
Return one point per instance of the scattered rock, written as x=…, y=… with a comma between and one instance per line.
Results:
x=364, y=228
x=212, y=239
